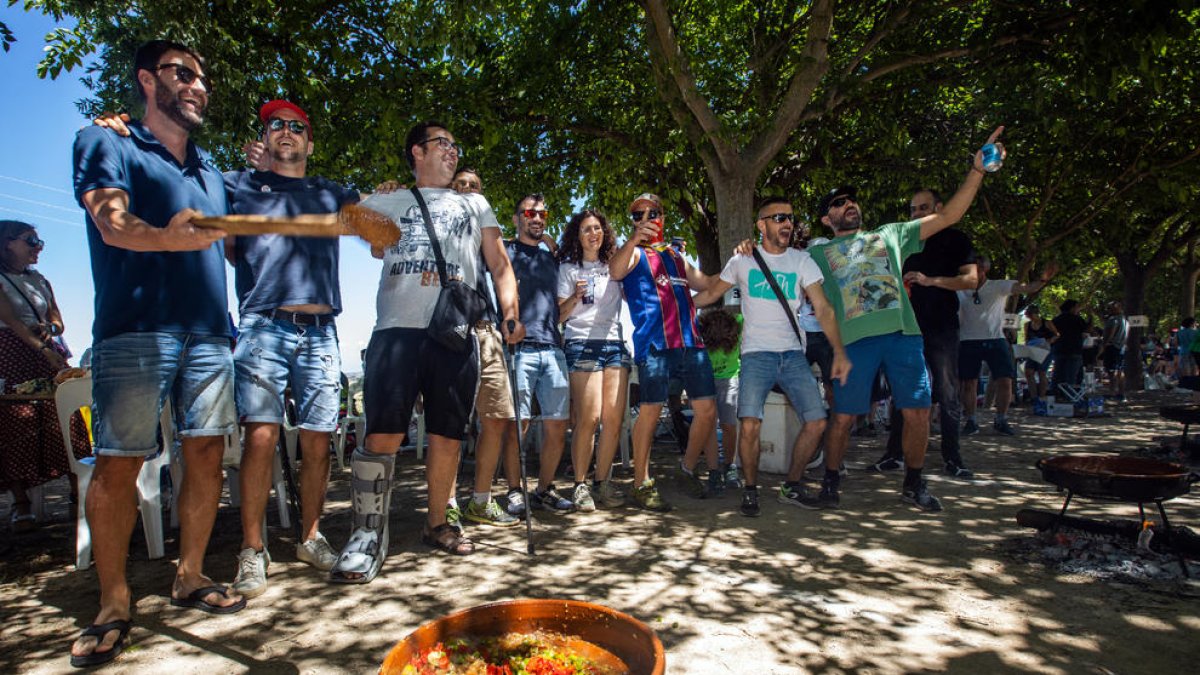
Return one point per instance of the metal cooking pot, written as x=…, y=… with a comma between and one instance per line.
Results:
x=1127, y=479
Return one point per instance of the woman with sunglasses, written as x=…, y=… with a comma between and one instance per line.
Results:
x=30, y=440
x=590, y=303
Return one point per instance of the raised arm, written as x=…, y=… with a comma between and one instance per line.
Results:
x=1035, y=286
x=957, y=206
x=967, y=278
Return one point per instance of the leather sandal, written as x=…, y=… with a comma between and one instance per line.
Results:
x=448, y=539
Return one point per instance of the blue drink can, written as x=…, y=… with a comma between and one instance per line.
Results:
x=991, y=158
x=589, y=295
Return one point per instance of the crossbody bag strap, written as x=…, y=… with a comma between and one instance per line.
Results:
x=24, y=297
x=433, y=241
x=787, y=309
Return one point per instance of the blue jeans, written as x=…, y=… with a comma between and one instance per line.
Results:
x=270, y=353
x=941, y=357
x=688, y=364
x=134, y=373
x=790, y=370
x=542, y=369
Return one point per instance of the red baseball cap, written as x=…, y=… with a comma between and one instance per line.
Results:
x=271, y=107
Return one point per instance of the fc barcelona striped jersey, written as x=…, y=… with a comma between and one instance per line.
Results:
x=660, y=303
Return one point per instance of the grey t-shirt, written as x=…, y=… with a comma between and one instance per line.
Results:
x=409, y=283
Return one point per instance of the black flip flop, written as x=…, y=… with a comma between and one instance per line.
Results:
x=98, y=631
x=195, y=600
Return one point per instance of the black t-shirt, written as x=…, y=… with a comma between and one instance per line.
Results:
x=537, y=285
x=944, y=253
x=1071, y=328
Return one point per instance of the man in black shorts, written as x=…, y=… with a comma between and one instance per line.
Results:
x=404, y=362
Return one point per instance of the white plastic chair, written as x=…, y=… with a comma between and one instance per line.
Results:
x=232, y=464
x=71, y=396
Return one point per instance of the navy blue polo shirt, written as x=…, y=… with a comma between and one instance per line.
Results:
x=176, y=292
x=275, y=270
x=537, y=290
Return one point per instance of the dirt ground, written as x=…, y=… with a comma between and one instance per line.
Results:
x=875, y=587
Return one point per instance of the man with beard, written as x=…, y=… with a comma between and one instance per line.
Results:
x=772, y=349
x=403, y=361
x=945, y=265
x=161, y=330
x=289, y=295
x=862, y=273
x=540, y=363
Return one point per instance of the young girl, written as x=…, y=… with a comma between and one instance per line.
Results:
x=721, y=330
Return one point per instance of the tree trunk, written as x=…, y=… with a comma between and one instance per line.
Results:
x=708, y=245
x=735, y=211
x=1190, y=273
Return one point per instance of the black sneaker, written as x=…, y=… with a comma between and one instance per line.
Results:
x=886, y=463
x=970, y=428
x=958, y=471
x=920, y=498
x=828, y=497
x=796, y=495
x=550, y=500
x=750, y=503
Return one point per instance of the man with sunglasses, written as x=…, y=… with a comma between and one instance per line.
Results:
x=772, y=351
x=981, y=314
x=540, y=363
x=863, y=281
x=944, y=266
x=161, y=330
x=658, y=285
x=289, y=295
x=404, y=362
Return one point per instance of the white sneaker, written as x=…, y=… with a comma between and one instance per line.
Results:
x=317, y=552
x=251, y=579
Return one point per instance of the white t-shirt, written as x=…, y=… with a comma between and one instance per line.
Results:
x=409, y=283
x=35, y=287
x=600, y=320
x=984, y=321
x=766, y=328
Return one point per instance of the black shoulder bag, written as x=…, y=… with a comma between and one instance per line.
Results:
x=458, y=306
x=787, y=309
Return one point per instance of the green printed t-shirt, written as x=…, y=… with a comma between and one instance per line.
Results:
x=727, y=364
x=864, y=282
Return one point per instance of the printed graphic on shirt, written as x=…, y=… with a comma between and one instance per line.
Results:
x=450, y=221
x=864, y=275
x=759, y=287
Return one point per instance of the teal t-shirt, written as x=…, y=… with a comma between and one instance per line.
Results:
x=863, y=280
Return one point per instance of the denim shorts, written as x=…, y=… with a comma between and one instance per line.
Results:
x=688, y=364
x=790, y=370
x=134, y=373
x=997, y=353
x=542, y=369
x=902, y=358
x=273, y=353
x=727, y=400
x=593, y=356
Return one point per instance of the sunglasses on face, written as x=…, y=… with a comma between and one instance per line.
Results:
x=840, y=202
x=32, y=240
x=444, y=144
x=295, y=126
x=780, y=217
x=534, y=213
x=644, y=214
x=186, y=75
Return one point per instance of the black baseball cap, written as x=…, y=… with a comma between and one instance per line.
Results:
x=841, y=191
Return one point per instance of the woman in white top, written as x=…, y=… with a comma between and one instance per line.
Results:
x=590, y=303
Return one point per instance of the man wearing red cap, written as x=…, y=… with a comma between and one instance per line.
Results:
x=658, y=286
x=288, y=296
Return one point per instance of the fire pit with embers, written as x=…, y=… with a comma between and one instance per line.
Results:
x=1124, y=479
